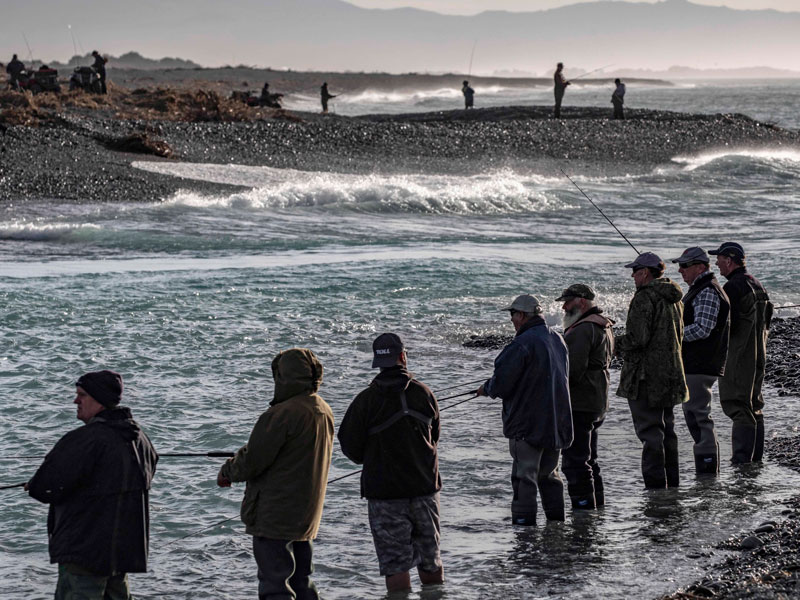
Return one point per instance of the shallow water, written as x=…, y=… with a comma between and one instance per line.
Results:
x=191, y=298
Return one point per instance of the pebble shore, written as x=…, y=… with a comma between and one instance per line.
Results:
x=69, y=155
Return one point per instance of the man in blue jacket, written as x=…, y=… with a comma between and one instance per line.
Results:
x=530, y=375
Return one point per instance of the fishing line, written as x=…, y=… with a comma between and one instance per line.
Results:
x=459, y=385
x=592, y=71
x=330, y=481
x=16, y=485
x=601, y=212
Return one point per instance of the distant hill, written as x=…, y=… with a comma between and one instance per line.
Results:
x=129, y=60
x=333, y=35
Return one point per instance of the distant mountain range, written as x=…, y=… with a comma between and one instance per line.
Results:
x=129, y=60
x=334, y=35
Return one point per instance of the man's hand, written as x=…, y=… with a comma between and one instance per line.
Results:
x=223, y=481
x=480, y=391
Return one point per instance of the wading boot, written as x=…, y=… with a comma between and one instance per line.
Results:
x=523, y=520
x=758, y=448
x=599, y=494
x=706, y=464
x=583, y=502
x=743, y=441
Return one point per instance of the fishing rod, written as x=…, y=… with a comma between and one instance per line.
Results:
x=471, y=55
x=16, y=485
x=787, y=306
x=330, y=481
x=601, y=212
x=592, y=71
x=30, y=52
x=213, y=454
x=459, y=385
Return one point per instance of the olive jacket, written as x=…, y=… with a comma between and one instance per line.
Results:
x=651, y=346
x=286, y=460
x=591, y=347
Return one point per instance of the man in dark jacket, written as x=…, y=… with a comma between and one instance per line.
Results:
x=559, y=87
x=530, y=375
x=706, y=325
x=740, y=387
x=14, y=68
x=100, y=66
x=285, y=464
x=591, y=346
x=392, y=428
x=652, y=377
x=324, y=96
x=469, y=95
x=96, y=480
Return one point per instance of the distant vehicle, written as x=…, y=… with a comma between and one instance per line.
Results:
x=44, y=79
x=85, y=78
x=271, y=100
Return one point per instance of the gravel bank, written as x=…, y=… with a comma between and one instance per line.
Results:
x=68, y=156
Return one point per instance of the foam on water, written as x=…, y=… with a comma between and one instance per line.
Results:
x=778, y=157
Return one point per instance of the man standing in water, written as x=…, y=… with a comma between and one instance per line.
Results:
x=652, y=377
x=324, y=96
x=740, y=387
x=285, y=465
x=559, y=86
x=392, y=428
x=96, y=480
x=469, y=95
x=530, y=375
x=618, y=99
x=591, y=346
x=706, y=325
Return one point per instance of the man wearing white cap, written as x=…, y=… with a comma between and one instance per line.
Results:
x=706, y=328
x=530, y=375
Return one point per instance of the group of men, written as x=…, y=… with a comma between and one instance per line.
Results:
x=16, y=67
x=554, y=392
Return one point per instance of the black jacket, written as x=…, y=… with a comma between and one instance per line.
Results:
x=707, y=356
x=96, y=480
x=399, y=456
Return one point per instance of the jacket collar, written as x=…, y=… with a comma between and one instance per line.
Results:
x=533, y=322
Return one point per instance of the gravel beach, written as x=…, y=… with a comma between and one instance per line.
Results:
x=70, y=154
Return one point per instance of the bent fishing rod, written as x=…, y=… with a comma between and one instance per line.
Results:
x=592, y=71
x=601, y=212
x=330, y=481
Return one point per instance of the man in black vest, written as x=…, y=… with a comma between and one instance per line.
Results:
x=392, y=428
x=740, y=387
x=706, y=328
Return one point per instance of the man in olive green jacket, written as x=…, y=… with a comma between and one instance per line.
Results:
x=285, y=464
x=652, y=377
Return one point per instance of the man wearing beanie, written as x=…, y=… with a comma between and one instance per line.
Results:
x=285, y=466
x=96, y=480
x=392, y=428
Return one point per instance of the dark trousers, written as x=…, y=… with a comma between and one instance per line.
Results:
x=619, y=113
x=557, y=108
x=77, y=583
x=284, y=569
x=655, y=428
x=579, y=461
x=535, y=469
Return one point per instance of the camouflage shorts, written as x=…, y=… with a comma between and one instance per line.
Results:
x=406, y=533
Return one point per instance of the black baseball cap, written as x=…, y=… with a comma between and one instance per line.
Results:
x=731, y=249
x=386, y=349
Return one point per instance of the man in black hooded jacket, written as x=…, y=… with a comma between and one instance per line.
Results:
x=392, y=428
x=96, y=480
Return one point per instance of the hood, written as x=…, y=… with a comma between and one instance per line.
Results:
x=667, y=289
x=393, y=377
x=120, y=420
x=296, y=371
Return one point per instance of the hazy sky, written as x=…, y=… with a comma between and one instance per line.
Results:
x=467, y=7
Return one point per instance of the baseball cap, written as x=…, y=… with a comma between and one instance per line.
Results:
x=731, y=249
x=524, y=303
x=576, y=290
x=386, y=348
x=645, y=259
x=693, y=254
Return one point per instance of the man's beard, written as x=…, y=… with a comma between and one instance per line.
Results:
x=571, y=316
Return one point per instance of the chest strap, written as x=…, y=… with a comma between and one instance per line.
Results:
x=403, y=412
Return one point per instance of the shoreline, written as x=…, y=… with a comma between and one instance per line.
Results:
x=68, y=153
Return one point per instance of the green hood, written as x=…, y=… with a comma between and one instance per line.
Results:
x=667, y=289
x=296, y=371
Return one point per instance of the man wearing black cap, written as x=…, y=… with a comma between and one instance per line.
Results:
x=591, y=346
x=740, y=387
x=652, y=377
x=96, y=480
x=706, y=325
x=469, y=95
x=530, y=375
x=392, y=428
x=100, y=66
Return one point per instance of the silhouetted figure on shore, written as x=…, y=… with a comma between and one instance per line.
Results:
x=100, y=66
x=559, y=85
x=617, y=99
x=14, y=68
x=324, y=96
x=269, y=99
x=469, y=95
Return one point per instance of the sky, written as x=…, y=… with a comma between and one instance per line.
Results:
x=470, y=7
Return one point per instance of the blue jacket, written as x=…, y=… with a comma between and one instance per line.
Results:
x=531, y=376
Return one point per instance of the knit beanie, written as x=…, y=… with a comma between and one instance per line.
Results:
x=103, y=386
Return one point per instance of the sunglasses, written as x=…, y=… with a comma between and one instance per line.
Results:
x=686, y=265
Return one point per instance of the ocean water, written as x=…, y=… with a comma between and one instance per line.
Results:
x=191, y=297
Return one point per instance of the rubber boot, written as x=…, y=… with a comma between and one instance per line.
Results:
x=583, y=502
x=706, y=464
x=523, y=520
x=743, y=441
x=758, y=449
